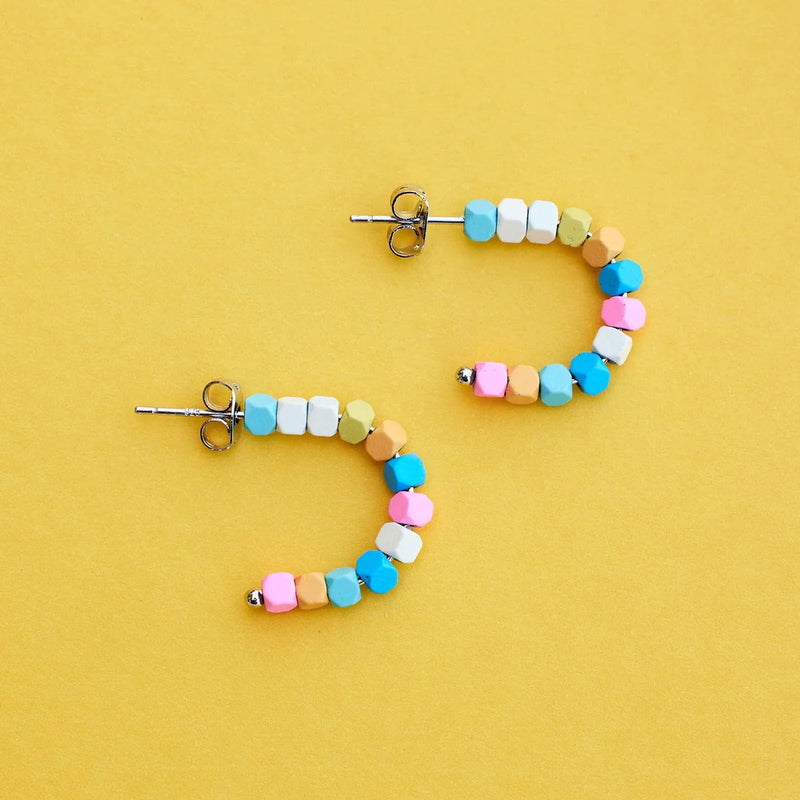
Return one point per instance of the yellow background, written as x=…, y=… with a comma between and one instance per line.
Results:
x=607, y=602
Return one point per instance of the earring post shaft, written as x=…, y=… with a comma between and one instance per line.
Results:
x=187, y=412
x=412, y=220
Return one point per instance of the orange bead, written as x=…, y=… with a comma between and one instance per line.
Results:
x=601, y=247
x=386, y=440
x=311, y=590
x=523, y=385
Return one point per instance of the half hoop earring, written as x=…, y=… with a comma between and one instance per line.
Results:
x=397, y=540
x=512, y=220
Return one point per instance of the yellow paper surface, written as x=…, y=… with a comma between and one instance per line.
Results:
x=606, y=605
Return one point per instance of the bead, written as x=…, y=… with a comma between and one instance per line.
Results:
x=542, y=222
x=480, y=220
x=590, y=372
x=386, y=440
x=311, y=589
x=343, y=588
x=323, y=416
x=411, y=508
x=403, y=472
x=279, y=593
x=377, y=572
x=555, y=385
x=512, y=220
x=399, y=542
x=292, y=414
x=574, y=226
x=254, y=598
x=623, y=312
x=620, y=277
x=602, y=246
x=260, y=414
x=523, y=385
x=613, y=344
x=466, y=376
x=357, y=419
x=491, y=379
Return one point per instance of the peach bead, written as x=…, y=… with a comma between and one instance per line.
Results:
x=602, y=246
x=627, y=313
x=279, y=592
x=311, y=589
x=386, y=440
x=523, y=385
x=411, y=508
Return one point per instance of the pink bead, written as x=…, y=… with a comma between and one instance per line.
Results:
x=491, y=379
x=279, y=592
x=627, y=313
x=411, y=508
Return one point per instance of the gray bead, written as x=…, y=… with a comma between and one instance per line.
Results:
x=466, y=375
x=255, y=598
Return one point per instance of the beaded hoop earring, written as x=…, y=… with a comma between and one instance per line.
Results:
x=396, y=540
x=512, y=220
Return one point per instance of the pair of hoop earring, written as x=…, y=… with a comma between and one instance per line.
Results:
x=511, y=220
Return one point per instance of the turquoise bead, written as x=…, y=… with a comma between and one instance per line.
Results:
x=480, y=220
x=590, y=372
x=404, y=472
x=260, y=414
x=555, y=385
x=343, y=587
x=620, y=277
x=377, y=572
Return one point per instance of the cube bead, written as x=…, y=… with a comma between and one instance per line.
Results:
x=323, y=416
x=512, y=220
x=311, y=590
x=399, y=542
x=523, y=385
x=403, y=472
x=590, y=372
x=292, y=415
x=279, y=592
x=260, y=414
x=387, y=439
x=357, y=419
x=480, y=220
x=343, y=587
x=491, y=379
x=602, y=246
x=411, y=508
x=574, y=226
x=542, y=222
x=555, y=385
x=627, y=313
x=621, y=277
x=377, y=572
x=613, y=344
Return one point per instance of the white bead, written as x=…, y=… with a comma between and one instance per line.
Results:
x=613, y=344
x=542, y=222
x=323, y=416
x=512, y=220
x=292, y=412
x=399, y=542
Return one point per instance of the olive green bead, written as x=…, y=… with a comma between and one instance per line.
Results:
x=574, y=226
x=357, y=419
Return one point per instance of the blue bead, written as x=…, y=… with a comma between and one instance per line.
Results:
x=404, y=472
x=377, y=572
x=555, y=385
x=480, y=220
x=590, y=372
x=260, y=414
x=620, y=277
x=343, y=587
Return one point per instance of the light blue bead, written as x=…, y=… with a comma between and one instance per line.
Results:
x=377, y=572
x=404, y=472
x=620, y=277
x=590, y=372
x=260, y=414
x=555, y=385
x=343, y=587
x=480, y=220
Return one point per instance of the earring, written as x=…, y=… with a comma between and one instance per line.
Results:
x=396, y=541
x=512, y=221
